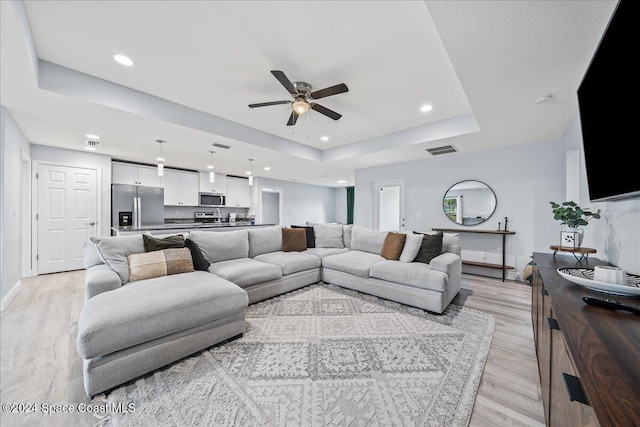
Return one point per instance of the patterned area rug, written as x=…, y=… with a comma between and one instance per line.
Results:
x=319, y=356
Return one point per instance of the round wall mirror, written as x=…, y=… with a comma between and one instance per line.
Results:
x=469, y=202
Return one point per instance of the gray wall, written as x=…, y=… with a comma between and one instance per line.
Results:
x=340, y=202
x=524, y=178
x=616, y=235
x=13, y=143
x=270, y=208
x=300, y=202
x=84, y=159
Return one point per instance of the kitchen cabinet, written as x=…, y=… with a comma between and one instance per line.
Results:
x=219, y=186
x=125, y=173
x=238, y=192
x=180, y=188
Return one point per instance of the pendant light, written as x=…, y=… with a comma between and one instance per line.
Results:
x=250, y=173
x=212, y=175
x=160, y=159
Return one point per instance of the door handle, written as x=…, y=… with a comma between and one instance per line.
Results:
x=90, y=223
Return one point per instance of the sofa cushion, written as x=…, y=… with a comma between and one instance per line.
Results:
x=311, y=238
x=353, y=262
x=294, y=240
x=291, y=262
x=414, y=274
x=91, y=256
x=366, y=240
x=431, y=247
x=393, y=245
x=199, y=261
x=451, y=243
x=246, y=271
x=328, y=235
x=325, y=252
x=114, y=251
x=412, y=245
x=159, y=243
x=265, y=240
x=159, y=263
x=116, y=320
x=346, y=235
x=219, y=246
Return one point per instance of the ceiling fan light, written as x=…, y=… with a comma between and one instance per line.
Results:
x=300, y=107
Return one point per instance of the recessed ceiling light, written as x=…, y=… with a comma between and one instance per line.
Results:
x=92, y=136
x=341, y=181
x=426, y=108
x=324, y=138
x=90, y=148
x=267, y=168
x=248, y=172
x=124, y=60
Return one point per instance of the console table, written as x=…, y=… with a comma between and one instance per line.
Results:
x=502, y=233
x=588, y=357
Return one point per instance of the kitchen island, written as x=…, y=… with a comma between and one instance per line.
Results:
x=177, y=228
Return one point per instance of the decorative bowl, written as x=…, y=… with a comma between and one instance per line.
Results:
x=584, y=278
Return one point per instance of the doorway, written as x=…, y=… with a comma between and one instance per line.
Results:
x=388, y=205
x=66, y=211
x=270, y=205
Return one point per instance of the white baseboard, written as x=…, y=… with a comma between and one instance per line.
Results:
x=4, y=303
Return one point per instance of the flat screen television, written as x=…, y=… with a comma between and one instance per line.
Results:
x=608, y=114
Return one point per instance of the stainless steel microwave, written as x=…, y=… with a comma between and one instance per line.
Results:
x=212, y=199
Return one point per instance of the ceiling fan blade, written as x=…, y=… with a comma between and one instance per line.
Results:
x=327, y=112
x=293, y=118
x=333, y=90
x=266, y=104
x=284, y=81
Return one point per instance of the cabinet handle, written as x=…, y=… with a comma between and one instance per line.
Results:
x=574, y=388
x=553, y=324
x=544, y=292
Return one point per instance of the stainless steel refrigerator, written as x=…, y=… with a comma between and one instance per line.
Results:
x=146, y=205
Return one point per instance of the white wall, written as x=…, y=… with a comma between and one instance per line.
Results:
x=340, y=202
x=82, y=159
x=13, y=143
x=300, y=202
x=616, y=235
x=270, y=208
x=525, y=178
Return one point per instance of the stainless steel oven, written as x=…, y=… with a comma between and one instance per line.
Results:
x=212, y=199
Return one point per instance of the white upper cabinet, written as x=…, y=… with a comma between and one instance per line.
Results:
x=219, y=185
x=238, y=193
x=180, y=188
x=124, y=173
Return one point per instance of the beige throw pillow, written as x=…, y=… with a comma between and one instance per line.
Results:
x=159, y=263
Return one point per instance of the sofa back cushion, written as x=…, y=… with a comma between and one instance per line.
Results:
x=366, y=240
x=159, y=263
x=219, y=246
x=91, y=255
x=328, y=235
x=265, y=240
x=346, y=235
x=114, y=251
x=451, y=243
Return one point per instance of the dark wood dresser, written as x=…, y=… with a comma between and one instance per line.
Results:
x=585, y=354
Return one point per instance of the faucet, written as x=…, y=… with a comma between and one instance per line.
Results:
x=219, y=216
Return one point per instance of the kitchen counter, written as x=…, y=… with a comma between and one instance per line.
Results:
x=183, y=228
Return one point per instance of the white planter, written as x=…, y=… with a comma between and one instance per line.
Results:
x=571, y=237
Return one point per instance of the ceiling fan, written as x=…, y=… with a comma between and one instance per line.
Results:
x=303, y=98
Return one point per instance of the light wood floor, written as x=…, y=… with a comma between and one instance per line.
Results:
x=40, y=363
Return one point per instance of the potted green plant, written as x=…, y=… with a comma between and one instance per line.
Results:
x=573, y=216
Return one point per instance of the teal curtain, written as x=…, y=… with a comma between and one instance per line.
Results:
x=351, y=192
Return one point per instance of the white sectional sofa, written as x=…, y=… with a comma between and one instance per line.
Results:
x=127, y=329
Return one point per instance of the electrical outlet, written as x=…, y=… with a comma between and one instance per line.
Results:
x=483, y=255
x=177, y=213
x=418, y=214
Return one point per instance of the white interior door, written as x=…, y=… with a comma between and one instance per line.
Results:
x=388, y=205
x=67, y=208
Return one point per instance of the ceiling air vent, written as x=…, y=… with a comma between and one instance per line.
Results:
x=445, y=149
x=93, y=145
x=226, y=147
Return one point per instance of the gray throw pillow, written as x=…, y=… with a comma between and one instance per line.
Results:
x=91, y=255
x=114, y=250
x=411, y=247
x=328, y=235
x=346, y=235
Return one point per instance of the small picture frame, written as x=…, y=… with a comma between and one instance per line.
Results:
x=569, y=239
